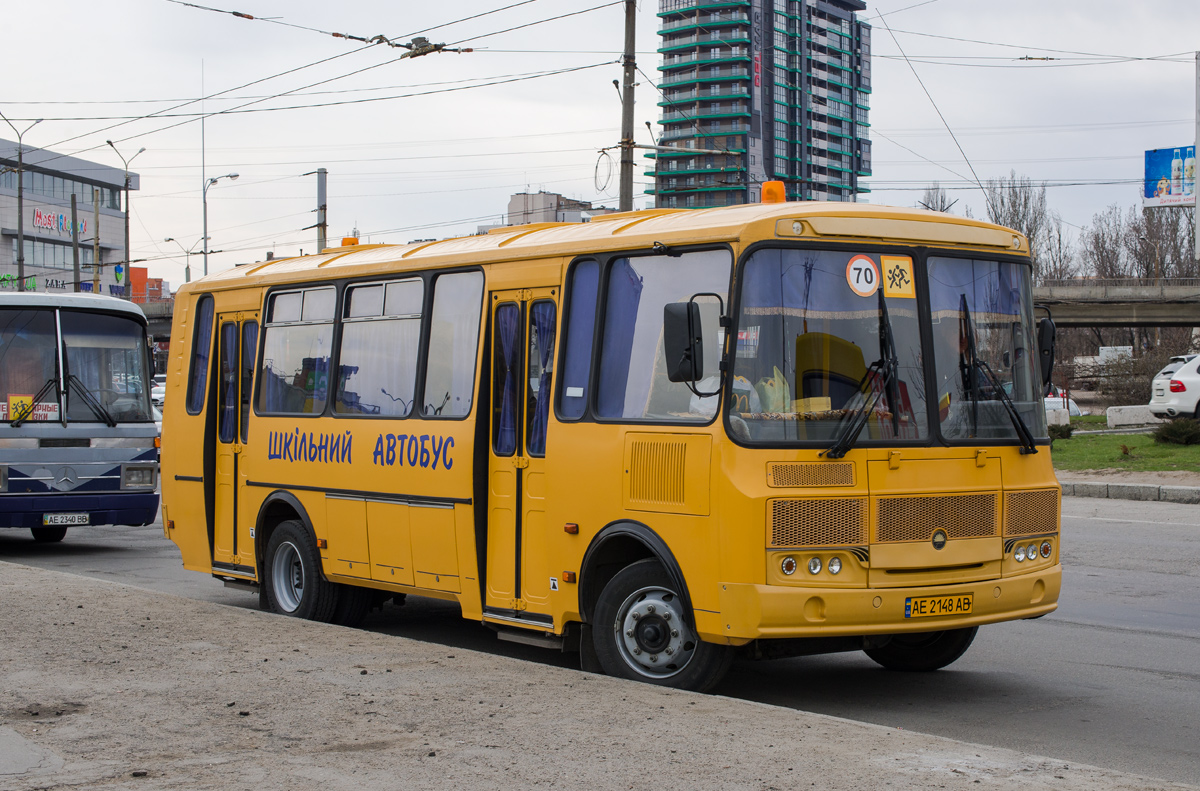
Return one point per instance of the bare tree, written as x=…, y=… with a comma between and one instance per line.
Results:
x=1102, y=247
x=935, y=198
x=1058, y=256
x=1018, y=203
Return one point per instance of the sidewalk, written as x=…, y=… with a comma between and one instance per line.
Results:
x=111, y=686
x=1171, y=487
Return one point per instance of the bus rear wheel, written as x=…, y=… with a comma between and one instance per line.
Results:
x=48, y=535
x=293, y=578
x=641, y=633
x=924, y=651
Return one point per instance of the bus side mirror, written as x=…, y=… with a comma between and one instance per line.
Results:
x=1046, y=348
x=683, y=342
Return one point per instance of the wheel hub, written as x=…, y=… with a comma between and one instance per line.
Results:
x=287, y=577
x=652, y=636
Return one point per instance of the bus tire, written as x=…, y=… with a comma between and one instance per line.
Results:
x=353, y=604
x=923, y=651
x=48, y=535
x=293, y=578
x=641, y=633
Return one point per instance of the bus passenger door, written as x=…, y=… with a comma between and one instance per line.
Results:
x=524, y=325
x=237, y=343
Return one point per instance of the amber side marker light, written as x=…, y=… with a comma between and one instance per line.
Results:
x=322, y=543
x=572, y=528
x=158, y=442
x=773, y=192
x=568, y=576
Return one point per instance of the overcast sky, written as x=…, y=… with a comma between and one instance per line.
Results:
x=531, y=107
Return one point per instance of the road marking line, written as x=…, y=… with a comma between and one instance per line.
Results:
x=1133, y=521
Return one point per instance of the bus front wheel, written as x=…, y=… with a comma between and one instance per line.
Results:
x=293, y=578
x=48, y=535
x=641, y=633
x=923, y=651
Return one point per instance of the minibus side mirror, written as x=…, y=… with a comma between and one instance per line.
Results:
x=1046, y=348
x=683, y=342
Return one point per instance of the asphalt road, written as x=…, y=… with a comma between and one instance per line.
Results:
x=1110, y=679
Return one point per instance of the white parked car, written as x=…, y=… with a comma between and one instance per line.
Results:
x=158, y=394
x=1176, y=388
x=1057, y=399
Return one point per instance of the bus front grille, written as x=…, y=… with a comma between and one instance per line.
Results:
x=822, y=474
x=1031, y=513
x=917, y=518
x=823, y=522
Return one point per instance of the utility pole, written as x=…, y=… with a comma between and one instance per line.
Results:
x=626, y=195
x=95, y=240
x=125, y=162
x=1197, y=145
x=75, y=243
x=322, y=222
x=20, y=200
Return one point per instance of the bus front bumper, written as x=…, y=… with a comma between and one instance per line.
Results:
x=107, y=508
x=750, y=612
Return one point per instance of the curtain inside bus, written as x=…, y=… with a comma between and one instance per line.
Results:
x=508, y=374
x=27, y=360
x=542, y=345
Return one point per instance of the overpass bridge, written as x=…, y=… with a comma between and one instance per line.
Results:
x=1124, y=302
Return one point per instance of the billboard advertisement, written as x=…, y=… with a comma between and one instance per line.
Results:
x=1170, y=177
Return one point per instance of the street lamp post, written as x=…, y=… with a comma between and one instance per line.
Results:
x=20, y=201
x=187, y=256
x=126, y=162
x=204, y=198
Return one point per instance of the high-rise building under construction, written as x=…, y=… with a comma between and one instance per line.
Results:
x=760, y=90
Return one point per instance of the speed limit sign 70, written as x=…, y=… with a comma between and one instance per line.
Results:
x=863, y=275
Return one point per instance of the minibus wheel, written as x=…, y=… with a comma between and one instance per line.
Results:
x=923, y=651
x=293, y=578
x=48, y=535
x=641, y=632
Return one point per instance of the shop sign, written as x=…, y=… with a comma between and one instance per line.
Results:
x=55, y=283
x=10, y=281
x=59, y=223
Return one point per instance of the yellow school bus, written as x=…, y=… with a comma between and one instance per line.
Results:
x=661, y=438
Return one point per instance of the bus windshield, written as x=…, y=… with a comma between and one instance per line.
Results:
x=984, y=349
x=27, y=363
x=817, y=337
x=106, y=356
x=105, y=372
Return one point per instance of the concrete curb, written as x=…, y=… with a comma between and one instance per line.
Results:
x=1133, y=491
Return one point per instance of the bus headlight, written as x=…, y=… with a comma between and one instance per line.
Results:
x=1032, y=552
x=1019, y=555
x=835, y=565
x=814, y=566
x=137, y=476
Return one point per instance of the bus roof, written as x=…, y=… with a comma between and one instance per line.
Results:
x=798, y=221
x=81, y=301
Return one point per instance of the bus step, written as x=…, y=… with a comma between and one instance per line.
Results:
x=530, y=638
x=244, y=585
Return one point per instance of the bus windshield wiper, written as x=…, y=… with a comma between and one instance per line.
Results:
x=972, y=368
x=27, y=413
x=883, y=373
x=85, y=394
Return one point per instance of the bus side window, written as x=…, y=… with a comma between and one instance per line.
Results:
x=453, y=344
x=377, y=363
x=201, y=350
x=296, y=348
x=580, y=320
x=249, y=350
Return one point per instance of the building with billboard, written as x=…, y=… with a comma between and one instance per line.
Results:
x=49, y=181
x=760, y=90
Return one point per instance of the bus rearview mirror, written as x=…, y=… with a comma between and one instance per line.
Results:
x=1046, y=348
x=683, y=342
